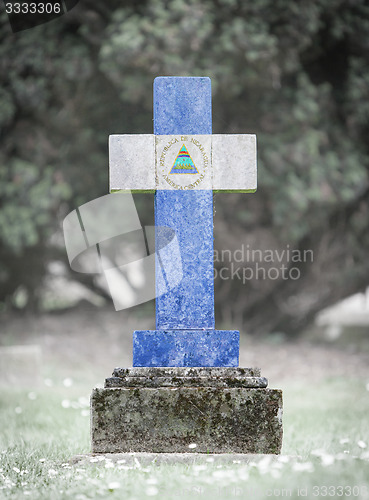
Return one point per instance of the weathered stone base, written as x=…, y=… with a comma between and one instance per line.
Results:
x=221, y=414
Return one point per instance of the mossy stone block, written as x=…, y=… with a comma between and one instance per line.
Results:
x=168, y=420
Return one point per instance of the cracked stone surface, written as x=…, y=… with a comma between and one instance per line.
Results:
x=169, y=419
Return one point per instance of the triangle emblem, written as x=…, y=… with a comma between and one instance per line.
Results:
x=183, y=163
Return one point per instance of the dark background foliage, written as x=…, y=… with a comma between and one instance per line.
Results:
x=294, y=73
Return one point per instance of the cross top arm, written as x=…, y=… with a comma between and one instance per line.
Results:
x=148, y=162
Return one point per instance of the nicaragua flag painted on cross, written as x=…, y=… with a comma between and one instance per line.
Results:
x=183, y=163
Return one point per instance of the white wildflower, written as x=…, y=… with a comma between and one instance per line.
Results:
x=264, y=464
x=327, y=460
x=114, y=485
x=67, y=382
x=243, y=474
x=340, y=456
x=277, y=465
x=83, y=401
x=275, y=473
x=199, y=467
x=192, y=446
x=303, y=467
x=361, y=444
x=152, y=491
x=318, y=453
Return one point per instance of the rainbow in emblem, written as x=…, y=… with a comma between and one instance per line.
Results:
x=183, y=163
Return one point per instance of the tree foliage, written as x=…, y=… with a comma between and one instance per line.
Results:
x=294, y=73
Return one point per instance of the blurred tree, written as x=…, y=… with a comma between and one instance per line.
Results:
x=296, y=74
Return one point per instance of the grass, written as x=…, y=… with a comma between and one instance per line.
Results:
x=325, y=451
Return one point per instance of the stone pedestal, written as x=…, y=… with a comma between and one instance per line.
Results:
x=221, y=410
x=180, y=348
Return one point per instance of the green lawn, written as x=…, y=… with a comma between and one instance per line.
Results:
x=325, y=451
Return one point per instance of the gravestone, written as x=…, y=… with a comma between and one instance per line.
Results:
x=185, y=387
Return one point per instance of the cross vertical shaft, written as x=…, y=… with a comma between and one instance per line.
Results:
x=185, y=332
x=183, y=106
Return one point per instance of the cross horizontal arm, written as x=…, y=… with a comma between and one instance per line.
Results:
x=132, y=162
x=219, y=162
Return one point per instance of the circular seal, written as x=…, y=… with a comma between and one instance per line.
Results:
x=183, y=162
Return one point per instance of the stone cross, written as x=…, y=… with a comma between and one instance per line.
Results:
x=183, y=163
